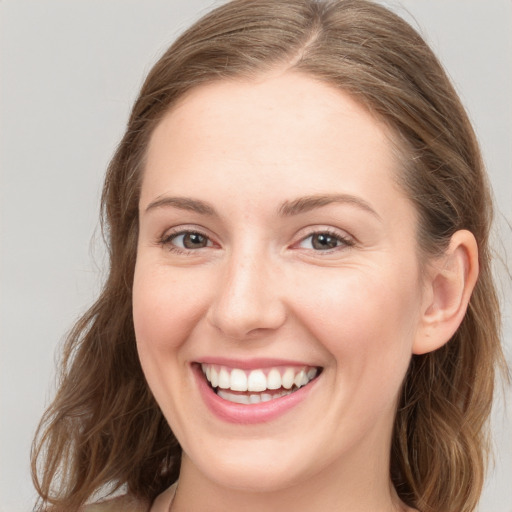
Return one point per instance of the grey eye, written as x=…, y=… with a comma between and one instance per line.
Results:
x=321, y=242
x=190, y=240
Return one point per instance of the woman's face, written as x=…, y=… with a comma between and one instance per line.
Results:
x=276, y=252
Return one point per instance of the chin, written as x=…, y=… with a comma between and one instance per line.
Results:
x=254, y=472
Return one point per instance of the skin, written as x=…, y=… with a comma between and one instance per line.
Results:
x=260, y=288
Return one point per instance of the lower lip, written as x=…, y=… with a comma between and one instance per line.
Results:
x=252, y=413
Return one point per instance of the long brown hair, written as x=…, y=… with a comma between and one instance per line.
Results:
x=104, y=427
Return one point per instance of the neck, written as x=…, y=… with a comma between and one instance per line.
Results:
x=338, y=487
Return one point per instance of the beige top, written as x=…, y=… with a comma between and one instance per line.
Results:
x=128, y=504
x=163, y=502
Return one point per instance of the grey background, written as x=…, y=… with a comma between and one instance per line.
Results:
x=70, y=70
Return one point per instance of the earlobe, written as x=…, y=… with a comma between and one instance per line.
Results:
x=450, y=283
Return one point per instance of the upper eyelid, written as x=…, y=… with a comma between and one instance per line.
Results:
x=345, y=241
x=316, y=229
x=328, y=232
x=170, y=236
x=179, y=230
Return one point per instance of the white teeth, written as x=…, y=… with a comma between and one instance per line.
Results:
x=238, y=380
x=299, y=378
x=258, y=380
x=254, y=399
x=224, y=380
x=288, y=378
x=274, y=379
x=232, y=397
x=214, y=377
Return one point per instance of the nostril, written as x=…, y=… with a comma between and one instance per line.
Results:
x=238, y=323
x=247, y=302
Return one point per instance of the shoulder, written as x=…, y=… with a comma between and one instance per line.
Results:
x=120, y=504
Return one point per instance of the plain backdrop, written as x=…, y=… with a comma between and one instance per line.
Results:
x=70, y=70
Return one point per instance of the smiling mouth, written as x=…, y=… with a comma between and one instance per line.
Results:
x=258, y=385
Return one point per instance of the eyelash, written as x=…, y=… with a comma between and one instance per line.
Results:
x=345, y=241
x=166, y=240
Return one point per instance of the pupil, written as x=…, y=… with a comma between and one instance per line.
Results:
x=324, y=241
x=194, y=240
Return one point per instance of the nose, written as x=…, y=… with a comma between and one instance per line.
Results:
x=248, y=301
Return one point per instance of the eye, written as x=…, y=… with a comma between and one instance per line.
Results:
x=186, y=241
x=324, y=241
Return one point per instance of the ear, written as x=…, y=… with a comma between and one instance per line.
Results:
x=448, y=287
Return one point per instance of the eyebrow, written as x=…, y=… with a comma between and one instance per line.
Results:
x=183, y=203
x=287, y=209
x=308, y=203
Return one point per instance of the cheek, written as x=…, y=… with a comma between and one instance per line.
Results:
x=355, y=303
x=367, y=323
x=165, y=308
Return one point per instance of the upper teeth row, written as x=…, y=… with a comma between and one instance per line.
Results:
x=257, y=380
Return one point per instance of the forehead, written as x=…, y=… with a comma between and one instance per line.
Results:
x=287, y=130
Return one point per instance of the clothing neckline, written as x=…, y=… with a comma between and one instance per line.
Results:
x=164, y=501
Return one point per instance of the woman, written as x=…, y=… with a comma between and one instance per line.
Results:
x=300, y=311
